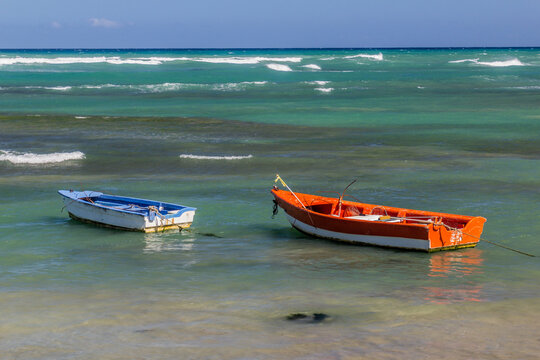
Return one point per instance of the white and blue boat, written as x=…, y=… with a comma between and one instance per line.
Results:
x=126, y=213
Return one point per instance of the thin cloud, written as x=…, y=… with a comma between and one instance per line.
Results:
x=102, y=22
x=56, y=25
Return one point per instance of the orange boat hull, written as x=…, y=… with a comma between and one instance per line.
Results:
x=378, y=225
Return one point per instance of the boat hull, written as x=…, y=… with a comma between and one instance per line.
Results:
x=397, y=231
x=109, y=216
x=386, y=241
x=146, y=230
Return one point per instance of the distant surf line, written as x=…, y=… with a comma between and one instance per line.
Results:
x=152, y=60
x=149, y=88
x=215, y=157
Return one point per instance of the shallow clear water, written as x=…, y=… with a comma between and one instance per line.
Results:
x=417, y=129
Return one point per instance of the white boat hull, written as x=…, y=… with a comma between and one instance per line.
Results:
x=387, y=241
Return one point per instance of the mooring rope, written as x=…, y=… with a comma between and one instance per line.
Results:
x=482, y=239
x=440, y=223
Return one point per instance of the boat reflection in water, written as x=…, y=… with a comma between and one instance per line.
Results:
x=455, y=265
x=160, y=242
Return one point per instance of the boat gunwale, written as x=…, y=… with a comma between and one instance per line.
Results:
x=309, y=211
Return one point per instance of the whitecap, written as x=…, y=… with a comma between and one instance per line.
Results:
x=278, y=67
x=312, y=66
x=317, y=82
x=532, y=87
x=511, y=62
x=165, y=87
x=81, y=60
x=31, y=158
x=153, y=60
x=325, y=90
x=245, y=60
x=100, y=86
x=378, y=57
x=463, y=60
x=205, y=157
x=58, y=88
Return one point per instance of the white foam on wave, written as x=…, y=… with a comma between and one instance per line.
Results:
x=531, y=87
x=153, y=60
x=31, y=158
x=246, y=60
x=464, y=60
x=325, y=90
x=149, y=88
x=78, y=60
x=278, y=67
x=378, y=57
x=511, y=62
x=317, y=82
x=164, y=87
x=58, y=88
x=205, y=157
x=312, y=66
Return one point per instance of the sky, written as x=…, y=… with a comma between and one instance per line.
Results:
x=268, y=24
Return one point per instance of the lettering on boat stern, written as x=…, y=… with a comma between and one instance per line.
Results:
x=456, y=237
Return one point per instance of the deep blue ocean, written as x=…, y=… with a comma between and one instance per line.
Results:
x=449, y=130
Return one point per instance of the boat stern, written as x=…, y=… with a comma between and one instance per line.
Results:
x=445, y=237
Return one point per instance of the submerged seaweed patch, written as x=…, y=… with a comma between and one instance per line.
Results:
x=313, y=318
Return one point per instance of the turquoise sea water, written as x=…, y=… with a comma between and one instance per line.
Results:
x=452, y=130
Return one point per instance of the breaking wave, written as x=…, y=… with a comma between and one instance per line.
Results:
x=204, y=157
x=31, y=158
x=464, y=60
x=325, y=90
x=149, y=88
x=245, y=60
x=511, y=62
x=153, y=60
x=278, y=67
x=56, y=88
x=317, y=82
x=378, y=57
x=157, y=88
x=312, y=66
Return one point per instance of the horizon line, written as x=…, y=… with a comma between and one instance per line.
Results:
x=280, y=48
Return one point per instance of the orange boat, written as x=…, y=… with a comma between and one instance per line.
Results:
x=359, y=223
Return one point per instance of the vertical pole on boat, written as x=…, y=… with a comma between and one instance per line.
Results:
x=342, y=195
x=278, y=178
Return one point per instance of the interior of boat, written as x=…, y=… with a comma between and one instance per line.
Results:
x=367, y=212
